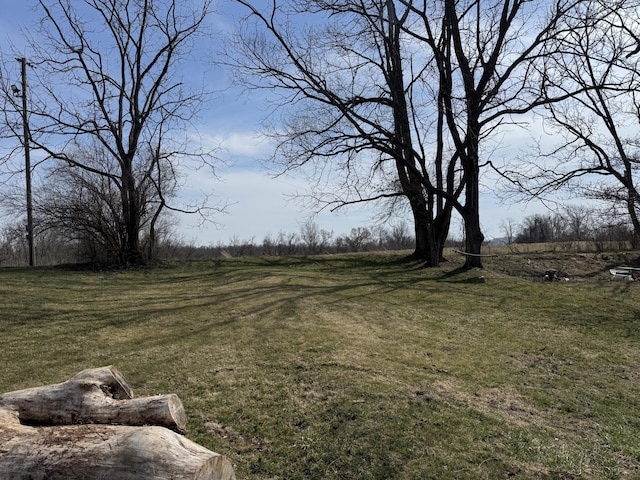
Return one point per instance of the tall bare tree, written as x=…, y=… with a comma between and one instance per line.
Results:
x=490, y=58
x=359, y=107
x=409, y=89
x=108, y=77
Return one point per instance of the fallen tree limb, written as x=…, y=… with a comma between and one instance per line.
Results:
x=91, y=452
x=476, y=254
x=98, y=395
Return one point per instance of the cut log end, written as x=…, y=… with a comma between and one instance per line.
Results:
x=177, y=412
x=216, y=468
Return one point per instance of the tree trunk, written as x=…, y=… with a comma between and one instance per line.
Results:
x=470, y=161
x=408, y=168
x=100, y=395
x=474, y=239
x=423, y=223
x=131, y=253
x=442, y=224
x=91, y=452
x=633, y=200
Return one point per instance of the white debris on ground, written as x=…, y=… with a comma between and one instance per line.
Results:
x=625, y=274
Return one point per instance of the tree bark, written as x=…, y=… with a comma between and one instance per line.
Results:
x=90, y=427
x=470, y=163
x=91, y=452
x=100, y=395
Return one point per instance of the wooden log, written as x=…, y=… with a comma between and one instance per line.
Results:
x=476, y=254
x=98, y=395
x=103, y=451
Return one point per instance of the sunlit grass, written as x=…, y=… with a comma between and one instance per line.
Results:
x=355, y=366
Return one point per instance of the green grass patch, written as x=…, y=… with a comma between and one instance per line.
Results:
x=357, y=366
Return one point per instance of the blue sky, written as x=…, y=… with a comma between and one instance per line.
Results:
x=258, y=204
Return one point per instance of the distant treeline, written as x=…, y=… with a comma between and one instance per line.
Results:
x=52, y=249
x=573, y=225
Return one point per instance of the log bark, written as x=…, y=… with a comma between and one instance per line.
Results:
x=90, y=427
x=98, y=395
x=102, y=451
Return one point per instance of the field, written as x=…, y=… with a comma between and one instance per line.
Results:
x=358, y=366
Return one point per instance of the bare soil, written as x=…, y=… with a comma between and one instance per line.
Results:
x=573, y=266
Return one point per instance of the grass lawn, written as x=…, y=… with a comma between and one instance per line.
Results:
x=358, y=366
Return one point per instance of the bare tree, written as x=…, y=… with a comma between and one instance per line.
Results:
x=398, y=96
x=596, y=150
x=85, y=207
x=399, y=237
x=315, y=239
x=580, y=222
x=508, y=228
x=107, y=76
x=490, y=58
x=360, y=108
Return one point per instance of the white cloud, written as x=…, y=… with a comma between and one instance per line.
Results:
x=245, y=144
x=260, y=205
x=234, y=144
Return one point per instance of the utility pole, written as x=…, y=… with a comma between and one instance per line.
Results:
x=27, y=159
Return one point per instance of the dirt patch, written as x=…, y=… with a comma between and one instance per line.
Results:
x=240, y=442
x=574, y=266
x=508, y=405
